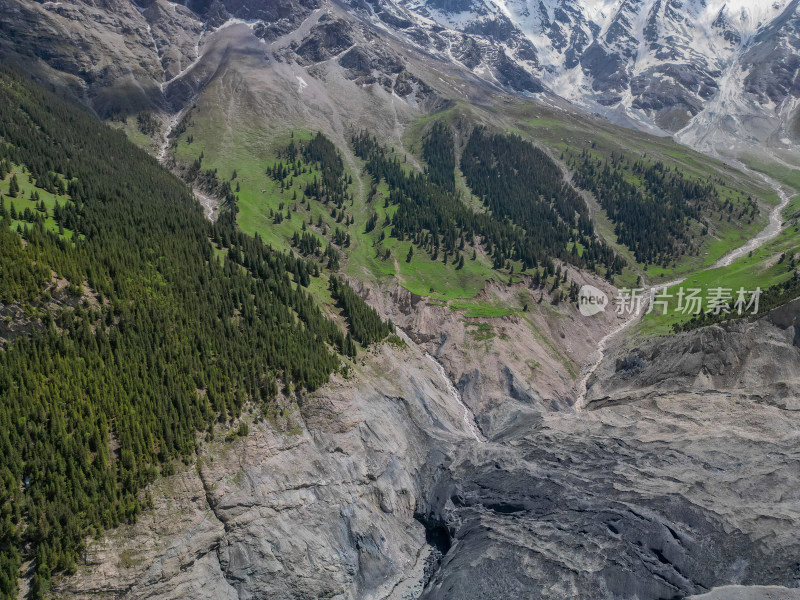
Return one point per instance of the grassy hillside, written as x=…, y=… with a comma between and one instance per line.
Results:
x=39, y=202
x=260, y=198
x=372, y=255
x=771, y=267
x=568, y=136
x=736, y=211
x=772, y=264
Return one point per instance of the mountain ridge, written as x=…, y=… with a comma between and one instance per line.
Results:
x=720, y=77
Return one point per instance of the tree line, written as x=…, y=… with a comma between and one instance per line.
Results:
x=519, y=182
x=772, y=297
x=364, y=322
x=652, y=206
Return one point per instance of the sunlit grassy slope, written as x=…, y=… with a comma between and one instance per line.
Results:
x=249, y=151
x=770, y=264
x=567, y=134
x=23, y=201
x=564, y=135
x=248, y=148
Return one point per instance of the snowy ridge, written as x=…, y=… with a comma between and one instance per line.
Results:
x=658, y=64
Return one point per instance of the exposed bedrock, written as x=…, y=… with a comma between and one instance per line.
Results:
x=316, y=503
x=749, y=359
x=688, y=481
x=668, y=485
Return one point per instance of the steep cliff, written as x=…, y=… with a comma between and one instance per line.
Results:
x=679, y=479
x=681, y=488
x=749, y=360
x=318, y=502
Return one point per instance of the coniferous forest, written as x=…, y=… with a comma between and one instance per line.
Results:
x=652, y=206
x=140, y=326
x=363, y=320
x=533, y=216
x=437, y=148
x=150, y=340
x=519, y=182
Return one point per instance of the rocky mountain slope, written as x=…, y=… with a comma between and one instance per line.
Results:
x=721, y=75
x=318, y=504
x=748, y=361
x=677, y=487
x=454, y=466
x=677, y=66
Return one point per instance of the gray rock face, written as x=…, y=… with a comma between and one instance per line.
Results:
x=682, y=485
x=773, y=59
x=655, y=501
x=746, y=359
x=326, y=39
x=723, y=78
x=756, y=592
x=318, y=503
x=279, y=16
x=513, y=75
x=112, y=55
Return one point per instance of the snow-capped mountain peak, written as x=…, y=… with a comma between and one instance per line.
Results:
x=651, y=63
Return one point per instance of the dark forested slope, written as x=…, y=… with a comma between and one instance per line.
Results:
x=139, y=338
x=532, y=216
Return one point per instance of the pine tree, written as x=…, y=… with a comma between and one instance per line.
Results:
x=236, y=328
x=13, y=186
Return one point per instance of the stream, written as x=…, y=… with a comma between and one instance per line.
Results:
x=769, y=232
x=469, y=416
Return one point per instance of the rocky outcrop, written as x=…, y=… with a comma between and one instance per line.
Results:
x=376, y=485
x=315, y=502
x=749, y=359
x=772, y=61
x=683, y=480
x=660, y=500
x=277, y=17
x=326, y=39
x=527, y=360
x=113, y=55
